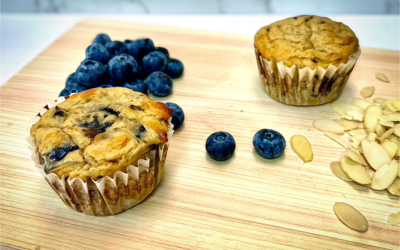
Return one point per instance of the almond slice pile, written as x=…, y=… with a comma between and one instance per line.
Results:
x=369, y=131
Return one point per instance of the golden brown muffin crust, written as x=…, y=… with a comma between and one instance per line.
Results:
x=100, y=131
x=307, y=41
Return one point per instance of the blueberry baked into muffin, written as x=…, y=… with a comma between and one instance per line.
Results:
x=103, y=150
x=305, y=60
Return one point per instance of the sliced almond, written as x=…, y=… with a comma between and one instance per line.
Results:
x=384, y=176
x=390, y=148
x=355, y=171
x=386, y=112
x=380, y=129
x=361, y=126
x=358, y=137
x=393, y=117
x=394, y=219
x=356, y=144
x=357, y=140
x=371, y=136
x=355, y=156
x=337, y=139
x=358, y=132
x=327, y=125
x=396, y=105
x=370, y=172
x=302, y=147
x=395, y=139
x=389, y=106
x=367, y=91
x=386, y=134
x=348, y=125
x=375, y=155
x=350, y=216
x=379, y=100
x=371, y=117
x=356, y=115
x=381, y=77
x=387, y=124
x=397, y=129
x=394, y=187
x=342, y=107
x=361, y=103
x=338, y=171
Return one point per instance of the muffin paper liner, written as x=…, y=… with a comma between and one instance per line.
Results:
x=109, y=195
x=306, y=86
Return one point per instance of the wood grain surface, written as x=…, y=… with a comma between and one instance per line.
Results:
x=247, y=202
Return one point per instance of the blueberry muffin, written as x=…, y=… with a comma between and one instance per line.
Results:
x=103, y=145
x=305, y=60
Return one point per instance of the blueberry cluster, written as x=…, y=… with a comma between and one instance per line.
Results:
x=137, y=65
x=269, y=143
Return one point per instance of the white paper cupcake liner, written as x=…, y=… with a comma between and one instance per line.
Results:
x=109, y=195
x=304, y=87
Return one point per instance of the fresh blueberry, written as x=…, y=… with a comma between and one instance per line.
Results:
x=137, y=85
x=159, y=83
x=97, y=52
x=142, y=74
x=122, y=67
x=72, y=89
x=71, y=80
x=220, y=146
x=154, y=61
x=112, y=82
x=269, y=143
x=178, y=116
x=140, y=48
x=102, y=38
x=116, y=48
x=105, y=86
x=128, y=41
x=164, y=51
x=91, y=73
x=174, y=68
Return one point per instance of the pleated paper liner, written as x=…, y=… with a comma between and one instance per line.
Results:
x=304, y=87
x=109, y=195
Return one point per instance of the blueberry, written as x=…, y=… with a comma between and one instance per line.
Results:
x=116, y=48
x=105, y=86
x=122, y=67
x=140, y=48
x=137, y=85
x=220, y=146
x=128, y=41
x=97, y=52
x=164, y=51
x=91, y=73
x=269, y=143
x=112, y=82
x=72, y=89
x=142, y=74
x=159, y=83
x=178, y=116
x=154, y=61
x=110, y=111
x=102, y=38
x=61, y=152
x=71, y=80
x=174, y=68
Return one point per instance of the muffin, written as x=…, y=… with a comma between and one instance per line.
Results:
x=102, y=150
x=305, y=60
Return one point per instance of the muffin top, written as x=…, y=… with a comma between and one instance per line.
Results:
x=307, y=41
x=100, y=131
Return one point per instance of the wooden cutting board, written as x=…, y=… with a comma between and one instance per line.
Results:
x=247, y=202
